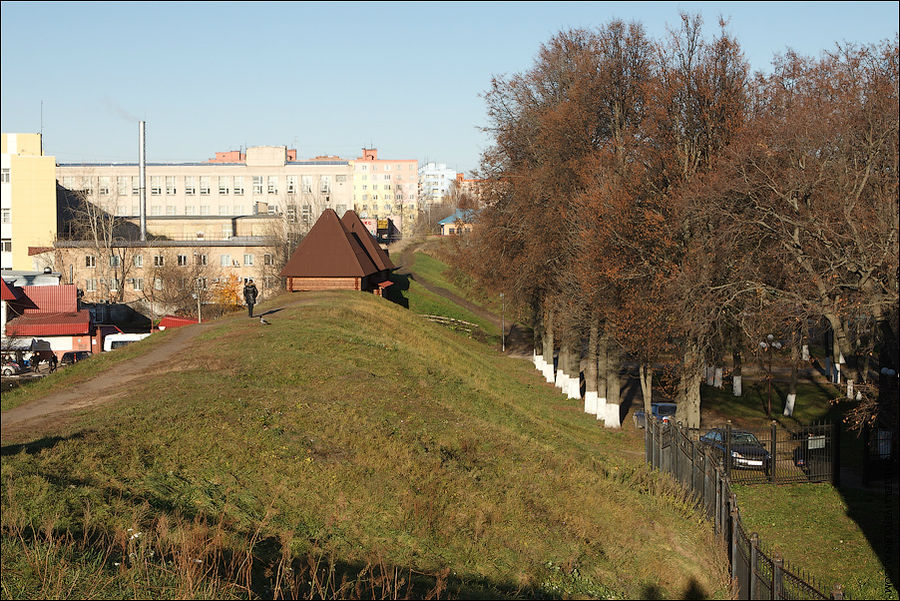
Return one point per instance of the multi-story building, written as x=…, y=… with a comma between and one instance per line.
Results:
x=435, y=182
x=386, y=189
x=264, y=180
x=28, y=201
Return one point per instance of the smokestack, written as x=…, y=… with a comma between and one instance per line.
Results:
x=142, y=159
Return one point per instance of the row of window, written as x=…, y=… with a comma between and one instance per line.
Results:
x=365, y=167
x=202, y=185
x=90, y=261
x=137, y=284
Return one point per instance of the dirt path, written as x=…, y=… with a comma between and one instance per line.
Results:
x=518, y=342
x=46, y=411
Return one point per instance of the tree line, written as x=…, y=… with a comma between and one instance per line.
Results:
x=655, y=199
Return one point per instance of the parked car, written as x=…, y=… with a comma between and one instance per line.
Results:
x=746, y=450
x=114, y=341
x=11, y=368
x=663, y=411
x=74, y=357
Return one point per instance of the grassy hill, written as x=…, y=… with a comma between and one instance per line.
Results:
x=351, y=449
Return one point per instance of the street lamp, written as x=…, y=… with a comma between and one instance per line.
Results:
x=502, y=324
x=767, y=345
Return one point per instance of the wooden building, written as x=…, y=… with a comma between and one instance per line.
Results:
x=338, y=254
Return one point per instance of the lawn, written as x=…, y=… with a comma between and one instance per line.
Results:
x=351, y=449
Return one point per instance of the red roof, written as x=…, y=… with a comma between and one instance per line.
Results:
x=170, y=321
x=7, y=292
x=51, y=299
x=50, y=324
x=329, y=250
x=356, y=227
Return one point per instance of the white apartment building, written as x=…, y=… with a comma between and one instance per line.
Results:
x=435, y=181
x=264, y=181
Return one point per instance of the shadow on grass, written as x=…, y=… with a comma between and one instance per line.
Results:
x=36, y=446
x=693, y=591
x=395, y=293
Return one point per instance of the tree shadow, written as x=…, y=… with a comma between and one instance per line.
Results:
x=36, y=446
x=692, y=591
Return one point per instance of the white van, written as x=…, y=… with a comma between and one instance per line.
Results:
x=113, y=341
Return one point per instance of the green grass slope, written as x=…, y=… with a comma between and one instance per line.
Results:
x=351, y=449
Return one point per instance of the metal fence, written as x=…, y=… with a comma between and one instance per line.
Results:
x=756, y=572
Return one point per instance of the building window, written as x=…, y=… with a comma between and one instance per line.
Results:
x=90, y=261
x=238, y=184
x=248, y=260
x=90, y=285
x=306, y=184
x=7, y=216
x=267, y=259
x=156, y=210
x=223, y=209
x=7, y=245
x=155, y=185
x=291, y=214
x=190, y=185
x=122, y=186
x=135, y=185
x=225, y=261
x=204, y=185
x=272, y=185
x=157, y=283
x=103, y=188
x=5, y=176
x=114, y=261
x=138, y=260
x=87, y=185
x=306, y=214
x=257, y=184
x=159, y=260
x=170, y=210
x=201, y=283
x=188, y=209
x=114, y=284
x=138, y=283
x=182, y=260
x=340, y=178
x=201, y=258
x=291, y=184
x=204, y=209
x=224, y=184
x=271, y=209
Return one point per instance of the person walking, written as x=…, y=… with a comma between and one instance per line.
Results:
x=250, y=294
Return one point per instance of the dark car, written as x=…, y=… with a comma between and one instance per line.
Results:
x=74, y=357
x=663, y=411
x=746, y=450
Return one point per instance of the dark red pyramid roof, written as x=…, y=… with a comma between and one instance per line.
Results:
x=329, y=250
x=353, y=225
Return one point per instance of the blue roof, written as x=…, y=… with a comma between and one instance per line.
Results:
x=459, y=215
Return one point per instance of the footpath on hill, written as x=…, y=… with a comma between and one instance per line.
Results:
x=518, y=342
x=50, y=412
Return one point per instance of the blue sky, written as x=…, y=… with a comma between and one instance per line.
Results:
x=325, y=78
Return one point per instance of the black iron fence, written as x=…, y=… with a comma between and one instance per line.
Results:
x=756, y=572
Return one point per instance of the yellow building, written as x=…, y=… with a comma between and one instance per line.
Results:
x=29, y=216
x=386, y=189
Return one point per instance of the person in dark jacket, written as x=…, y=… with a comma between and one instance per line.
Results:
x=250, y=294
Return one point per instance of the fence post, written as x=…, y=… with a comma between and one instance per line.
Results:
x=836, y=454
x=837, y=592
x=754, y=559
x=693, y=466
x=777, y=577
x=733, y=530
x=728, y=447
x=774, y=446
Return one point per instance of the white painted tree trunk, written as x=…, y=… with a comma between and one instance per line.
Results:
x=561, y=380
x=717, y=378
x=612, y=416
x=804, y=352
x=590, y=402
x=710, y=375
x=574, y=390
x=736, y=386
x=789, y=404
x=601, y=409
x=548, y=371
x=850, y=389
